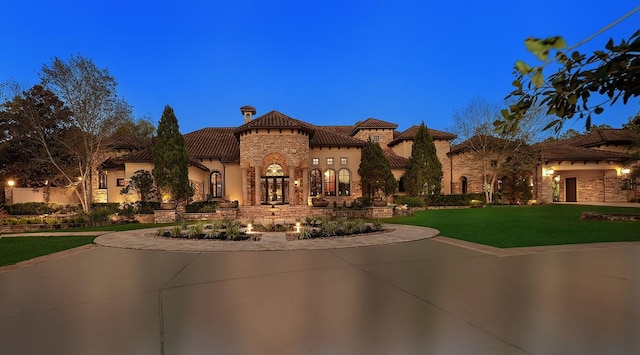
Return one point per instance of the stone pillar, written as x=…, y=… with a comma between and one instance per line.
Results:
x=293, y=195
x=243, y=174
x=258, y=190
x=305, y=185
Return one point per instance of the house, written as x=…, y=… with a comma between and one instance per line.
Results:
x=587, y=168
x=275, y=159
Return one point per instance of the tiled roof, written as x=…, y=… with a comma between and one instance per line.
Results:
x=344, y=130
x=146, y=156
x=325, y=137
x=478, y=142
x=275, y=120
x=217, y=143
x=411, y=132
x=603, y=136
x=560, y=151
x=110, y=164
x=395, y=161
x=372, y=123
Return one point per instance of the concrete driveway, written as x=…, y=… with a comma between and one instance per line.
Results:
x=421, y=297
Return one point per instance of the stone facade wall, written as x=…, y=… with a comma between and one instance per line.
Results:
x=385, y=135
x=466, y=165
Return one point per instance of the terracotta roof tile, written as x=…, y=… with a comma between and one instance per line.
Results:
x=477, y=141
x=375, y=123
x=411, y=132
x=325, y=137
x=275, y=119
x=560, y=151
x=217, y=143
x=344, y=130
x=602, y=136
x=395, y=161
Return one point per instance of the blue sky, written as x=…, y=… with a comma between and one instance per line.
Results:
x=325, y=62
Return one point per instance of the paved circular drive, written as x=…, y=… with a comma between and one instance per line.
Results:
x=146, y=239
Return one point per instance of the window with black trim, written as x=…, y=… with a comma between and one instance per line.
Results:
x=120, y=182
x=315, y=183
x=102, y=180
x=216, y=184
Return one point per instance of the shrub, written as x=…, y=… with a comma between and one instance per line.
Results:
x=362, y=202
x=176, y=231
x=37, y=208
x=329, y=228
x=377, y=225
x=233, y=230
x=306, y=232
x=410, y=201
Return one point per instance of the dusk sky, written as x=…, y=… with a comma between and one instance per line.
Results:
x=324, y=62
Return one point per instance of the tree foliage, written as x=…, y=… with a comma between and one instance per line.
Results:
x=423, y=176
x=375, y=173
x=170, y=159
x=611, y=74
x=142, y=183
x=96, y=111
x=516, y=173
x=38, y=131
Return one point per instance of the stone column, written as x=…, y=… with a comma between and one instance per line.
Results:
x=258, y=181
x=243, y=173
x=305, y=185
x=293, y=195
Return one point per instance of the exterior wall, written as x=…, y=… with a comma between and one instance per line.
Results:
x=260, y=148
x=385, y=135
x=60, y=195
x=352, y=154
x=595, y=181
x=465, y=165
x=403, y=149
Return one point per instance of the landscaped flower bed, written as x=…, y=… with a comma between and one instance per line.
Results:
x=333, y=227
x=217, y=230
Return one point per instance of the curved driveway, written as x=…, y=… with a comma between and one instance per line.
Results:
x=419, y=297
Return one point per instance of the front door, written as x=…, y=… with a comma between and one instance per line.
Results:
x=572, y=189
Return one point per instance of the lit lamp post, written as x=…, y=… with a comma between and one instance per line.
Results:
x=9, y=199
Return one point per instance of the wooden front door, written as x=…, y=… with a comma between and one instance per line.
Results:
x=572, y=189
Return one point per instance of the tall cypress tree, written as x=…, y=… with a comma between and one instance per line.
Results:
x=375, y=171
x=423, y=176
x=170, y=159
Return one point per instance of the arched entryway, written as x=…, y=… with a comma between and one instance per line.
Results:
x=464, y=185
x=275, y=186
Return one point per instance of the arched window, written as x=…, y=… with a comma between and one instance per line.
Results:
x=344, y=182
x=330, y=182
x=275, y=170
x=216, y=184
x=464, y=184
x=315, y=183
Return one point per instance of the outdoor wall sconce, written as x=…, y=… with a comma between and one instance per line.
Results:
x=11, y=183
x=549, y=172
x=625, y=171
x=556, y=178
x=296, y=183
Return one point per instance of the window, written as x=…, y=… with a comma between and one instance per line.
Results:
x=330, y=182
x=464, y=185
x=315, y=161
x=216, y=184
x=102, y=180
x=376, y=138
x=315, y=185
x=343, y=161
x=344, y=182
x=329, y=161
x=120, y=182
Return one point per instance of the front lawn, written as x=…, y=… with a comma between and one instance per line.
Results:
x=16, y=249
x=522, y=226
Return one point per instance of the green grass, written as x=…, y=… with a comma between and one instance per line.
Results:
x=16, y=249
x=522, y=226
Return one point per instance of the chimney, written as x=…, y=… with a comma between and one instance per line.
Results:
x=248, y=112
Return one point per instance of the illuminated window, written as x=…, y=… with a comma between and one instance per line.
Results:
x=120, y=182
x=315, y=161
x=344, y=182
x=216, y=184
x=376, y=138
x=329, y=161
x=330, y=182
x=343, y=161
x=102, y=180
